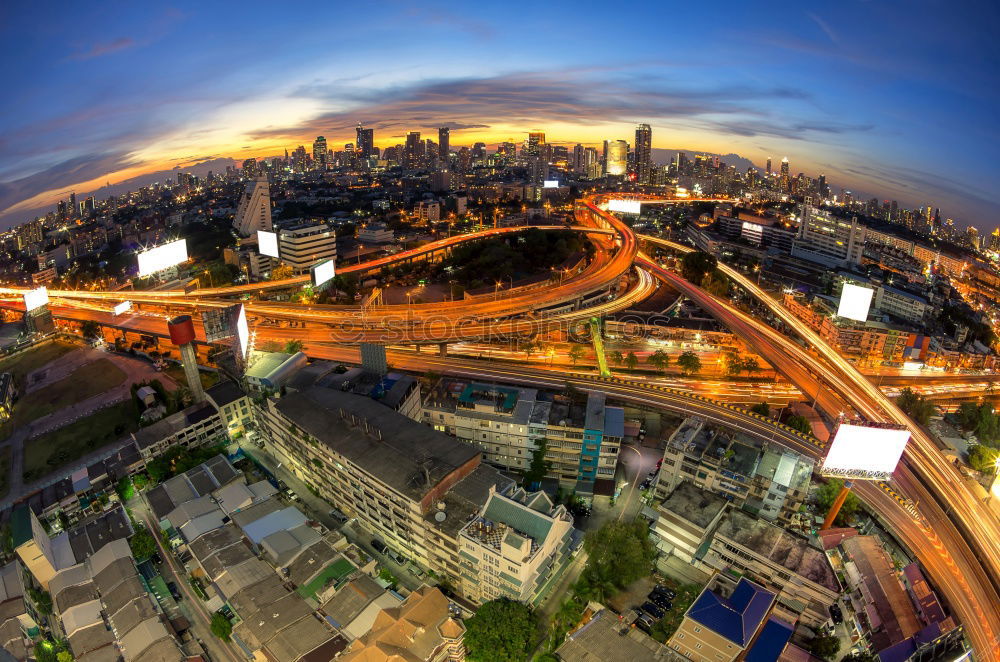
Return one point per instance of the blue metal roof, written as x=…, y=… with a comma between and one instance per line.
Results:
x=768, y=646
x=737, y=618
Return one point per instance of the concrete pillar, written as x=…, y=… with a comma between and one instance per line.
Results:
x=443, y=349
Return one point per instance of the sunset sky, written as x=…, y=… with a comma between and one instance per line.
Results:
x=894, y=99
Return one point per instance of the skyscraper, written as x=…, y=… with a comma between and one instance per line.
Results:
x=413, y=154
x=616, y=162
x=786, y=182
x=578, y=162
x=767, y=168
x=444, y=145
x=643, y=154
x=365, y=141
x=319, y=152
x=250, y=167
x=535, y=140
x=254, y=210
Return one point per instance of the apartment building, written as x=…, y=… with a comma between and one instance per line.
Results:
x=787, y=564
x=770, y=481
x=196, y=425
x=723, y=626
x=254, y=210
x=827, y=239
x=413, y=487
x=508, y=423
x=513, y=547
x=685, y=519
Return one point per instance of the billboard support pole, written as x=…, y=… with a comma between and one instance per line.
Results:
x=837, y=503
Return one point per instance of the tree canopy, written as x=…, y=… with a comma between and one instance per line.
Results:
x=983, y=458
x=825, y=647
x=826, y=495
x=619, y=552
x=501, y=630
x=221, y=627
x=696, y=265
x=916, y=406
x=800, y=423
x=142, y=544
x=689, y=363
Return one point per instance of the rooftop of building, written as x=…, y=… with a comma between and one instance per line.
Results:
x=694, y=504
x=466, y=498
x=736, y=618
x=224, y=393
x=171, y=425
x=410, y=457
x=194, y=483
x=512, y=519
x=605, y=639
x=791, y=551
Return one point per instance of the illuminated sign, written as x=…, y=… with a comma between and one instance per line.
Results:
x=625, y=206
x=863, y=452
x=267, y=243
x=550, y=183
x=123, y=307
x=855, y=301
x=242, y=333
x=322, y=273
x=34, y=299
x=162, y=257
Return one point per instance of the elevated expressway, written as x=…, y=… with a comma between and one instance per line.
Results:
x=952, y=534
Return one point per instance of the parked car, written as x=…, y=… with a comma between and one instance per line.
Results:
x=644, y=622
x=652, y=610
x=378, y=546
x=660, y=588
x=660, y=600
x=397, y=557
x=172, y=587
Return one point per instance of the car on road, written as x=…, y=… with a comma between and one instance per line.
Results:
x=172, y=587
x=379, y=546
x=396, y=557
x=645, y=485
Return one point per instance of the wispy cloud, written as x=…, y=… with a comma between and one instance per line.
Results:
x=102, y=49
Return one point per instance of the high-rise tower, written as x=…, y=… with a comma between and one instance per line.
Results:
x=643, y=153
x=319, y=152
x=365, y=141
x=444, y=145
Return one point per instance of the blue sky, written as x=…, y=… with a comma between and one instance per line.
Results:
x=895, y=99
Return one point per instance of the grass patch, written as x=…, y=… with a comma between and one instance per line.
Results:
x=26, y=362
x=4, y=470
x=176, y=372
x=46, y=453
x=332, y=574
x=86, y=381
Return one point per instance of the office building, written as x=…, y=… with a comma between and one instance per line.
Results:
x=643, y=153
x=365, y=142
x=723, y=626
x=827, y=239
x=413, y=155
x=616, y=158
x=253, y=212
x=428, y=211
x=508, y=423
x=302, y=245
x=536, y=139
x=685, y=519
x=513, y=547
x=444, y=146
x=320, y=153
x=413, y=487
x=375, y=233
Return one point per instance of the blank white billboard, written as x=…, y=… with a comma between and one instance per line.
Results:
x=242, y=332
x=162, y=257
x=550, y=183
x=35, y=298
x=322, y=273
x=267, y=243
x=855, y=301
x=625, y=206
x=863, y=452
x=123, y=307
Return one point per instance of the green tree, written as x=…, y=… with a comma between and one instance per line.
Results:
x=826, y=495
x=575, y=353
x=696, y=265
x=64, y=656
x=143, y=544
x=825, y=648
x=659, y=360
x=860, y=657
x=761, y=408
x=800, y=423
x=293, y=346
x=751, y=365
x=41, y=599
x=689, y=363
x=90, y=329
x=539, y=467
x=221, y=627
x=715, y=283
x=983, y=458
x=619, y=551
x=501, y=631
x=617, y=357
x=916, y=406
x=631, y=360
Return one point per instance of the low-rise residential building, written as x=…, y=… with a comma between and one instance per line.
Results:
x=604, y=637
x=194, y=426
x=509, y=424
x=720, y=627
x=233, y=405
x=267, y=372
x=375, y=233
x=421, y=629
x=17, y=625
x=799, y=573
x=413, y=487
x=513, y=547
x=771, y=481
x=686, y=518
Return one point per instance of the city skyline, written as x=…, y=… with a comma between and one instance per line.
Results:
x=875, y=110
